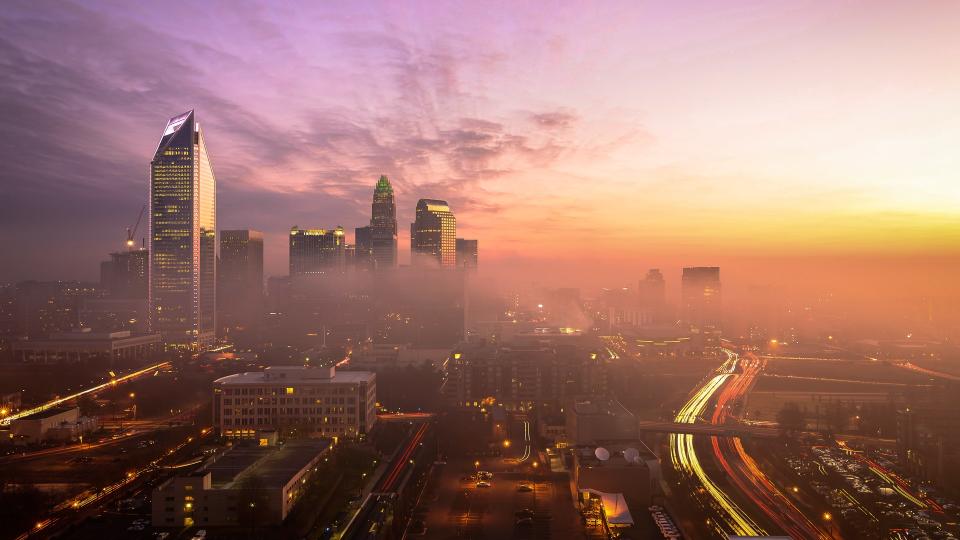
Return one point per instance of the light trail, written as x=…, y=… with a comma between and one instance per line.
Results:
x=744, y=471
x=87, y=498
x=526, y=440
x=112, y=382
x=685, y=459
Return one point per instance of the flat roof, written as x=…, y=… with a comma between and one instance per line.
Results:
x=287, y=375
x=272, y=466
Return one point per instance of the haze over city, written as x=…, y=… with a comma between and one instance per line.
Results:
x=384, y=270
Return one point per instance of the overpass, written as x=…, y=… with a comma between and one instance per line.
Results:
x=720, y=430
x=404, y=417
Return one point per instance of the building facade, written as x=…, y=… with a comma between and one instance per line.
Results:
x=467, y=253
x=433, y=235
x=125, y=275
x=240, y=277
x=363, y=248
x=652, y=292
x=183, y=237
x=383, y=225
x=316, y=251
x=541, y=377
x=82, y=346
x=311, y=401
x=700, y=301
x=244, y=486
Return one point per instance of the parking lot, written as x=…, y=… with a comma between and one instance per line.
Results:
x=455, y=506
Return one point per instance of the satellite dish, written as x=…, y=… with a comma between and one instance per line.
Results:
x=632, y=455
x=602, y=453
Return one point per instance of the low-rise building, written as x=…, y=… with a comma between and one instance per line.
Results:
x=245, y=485
x=312, y=401
x=592, y=420
x=54, y=424
x=628, y=469
x=374, y=357
x=85, y=346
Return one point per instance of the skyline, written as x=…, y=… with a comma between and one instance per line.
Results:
x=668, y=127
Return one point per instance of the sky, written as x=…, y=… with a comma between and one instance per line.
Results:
x=573, y=139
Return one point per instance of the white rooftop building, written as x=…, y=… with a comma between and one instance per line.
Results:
x=296, y=400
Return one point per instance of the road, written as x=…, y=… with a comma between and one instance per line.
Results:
x=112, y=382
x=743, y=471
x=74, y=509
x=731, y=518
x=372, y=514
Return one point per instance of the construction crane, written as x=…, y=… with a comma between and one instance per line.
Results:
x=131, y=232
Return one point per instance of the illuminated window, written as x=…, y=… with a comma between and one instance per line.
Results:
x=289, y=390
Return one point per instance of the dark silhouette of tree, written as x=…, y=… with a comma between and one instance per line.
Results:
x=837, y=416
x=790, y=419
x=252, y=503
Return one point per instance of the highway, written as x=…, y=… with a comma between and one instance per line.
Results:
x=732, y=519
x=112, y=382
x=743, y=471
x=369, y=519
x=725, y=390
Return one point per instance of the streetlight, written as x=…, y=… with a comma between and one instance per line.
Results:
x=506, y=443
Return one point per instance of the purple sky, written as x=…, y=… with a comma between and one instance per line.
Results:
x=606, y=124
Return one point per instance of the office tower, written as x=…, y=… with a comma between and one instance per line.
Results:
x=183, y=237
x=363, y=248
x=240, y=277
x=467, y=256
x=383, y=225
x=652, y=292
x=125, y=274
x=316, y=251
x=433, y=235
x=328, y=403
x=700, y=300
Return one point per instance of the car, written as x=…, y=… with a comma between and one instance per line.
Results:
x=202, y=533
x=485, y=475
x=526, y=488
x=483, y=484
x=525, y=513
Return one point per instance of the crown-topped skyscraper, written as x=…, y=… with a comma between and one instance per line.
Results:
x=383, y=225
x=183, y=237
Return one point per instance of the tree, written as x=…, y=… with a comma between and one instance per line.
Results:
x=837, y=416
x=252, y=502
x=790, y=418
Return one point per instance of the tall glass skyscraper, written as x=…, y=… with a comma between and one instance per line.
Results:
x=383, y=225
x=316, y=251
x=433, y=236
x=183, y=237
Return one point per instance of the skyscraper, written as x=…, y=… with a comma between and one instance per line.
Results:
x=383, y=225
x=125, y=274
x=700, y=297
x=183, y=236
x=316, y=251
x=240, y=276
x=363, y=248
x=433, y=235
x=652, y=295
x=467, y=256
